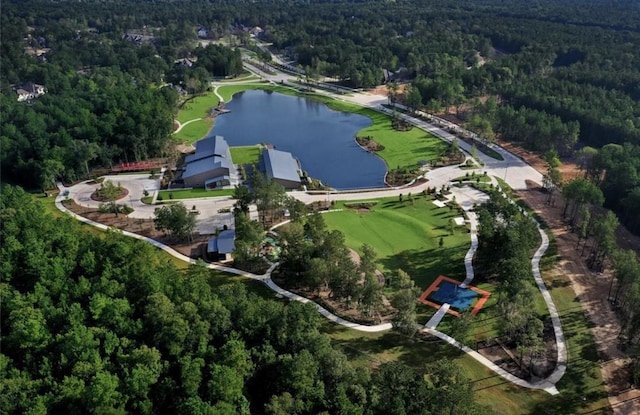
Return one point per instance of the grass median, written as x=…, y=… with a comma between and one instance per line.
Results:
x=179, y=194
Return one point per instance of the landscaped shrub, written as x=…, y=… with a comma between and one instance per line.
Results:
x=361, y=205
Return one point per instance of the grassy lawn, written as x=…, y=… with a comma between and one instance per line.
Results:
x=197, y=107
x=245, y=154
x=193, y=193
x=391, y=224
x=483, y=178
x=406, y=236
x=227, y=91
x=492, y=153
x=194, y=131
x=402, y=148
x=581, y=388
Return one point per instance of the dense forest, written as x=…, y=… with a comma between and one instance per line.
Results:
x=106, y=324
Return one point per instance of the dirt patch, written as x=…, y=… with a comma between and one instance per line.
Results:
x=569, y=168
x=185, y=148
x=592, y=290
x=507, y=356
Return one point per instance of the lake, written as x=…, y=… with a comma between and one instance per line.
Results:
x=322, y=139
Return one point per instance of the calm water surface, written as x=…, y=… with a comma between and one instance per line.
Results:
x=322, y=139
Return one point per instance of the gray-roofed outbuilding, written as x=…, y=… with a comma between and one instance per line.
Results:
x=222, y=246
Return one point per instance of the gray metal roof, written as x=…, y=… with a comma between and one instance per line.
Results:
x=211, y=153
x=206, y=164
x=210, y=146
x=280, y=165
x=224, y=243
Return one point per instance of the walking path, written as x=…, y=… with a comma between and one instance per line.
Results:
x=215, y=91
x=466, y=198
x=468, y=258
x=184, y=124
x=437, y=317
x=265, y=278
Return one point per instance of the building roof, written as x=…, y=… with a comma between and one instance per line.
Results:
x=211, y=153
x=211, y=146
x=280, y=165
x=224, y=243
x=205, y=164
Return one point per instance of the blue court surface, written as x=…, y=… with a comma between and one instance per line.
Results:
x=460, y=298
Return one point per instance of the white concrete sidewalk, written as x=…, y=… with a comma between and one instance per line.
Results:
x=437, y=317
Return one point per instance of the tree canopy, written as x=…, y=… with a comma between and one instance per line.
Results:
x=105, y=324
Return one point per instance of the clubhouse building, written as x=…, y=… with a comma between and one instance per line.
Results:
x=210, y=166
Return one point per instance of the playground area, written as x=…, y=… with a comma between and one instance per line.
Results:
x=447, y=290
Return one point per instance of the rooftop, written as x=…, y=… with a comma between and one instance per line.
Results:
x=280, y=165
x=211, y=146
x=205, y=164
x=224, y=243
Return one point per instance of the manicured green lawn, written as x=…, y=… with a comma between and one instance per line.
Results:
x=197, y=107
x=245, y=154
x=194, y=131
x=406, y=236
x=402, y=148
x=483, y=178
x=193, y=193
x=227, y=91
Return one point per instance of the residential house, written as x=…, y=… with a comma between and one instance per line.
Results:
x=185, y=62
x=256, y=31
x=30, y=91
x=203, y=33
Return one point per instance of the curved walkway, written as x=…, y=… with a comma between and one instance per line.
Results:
x=184, y=124
x=215, y=91
x=266, y=277
x=547, y=385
